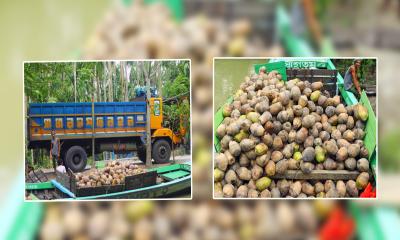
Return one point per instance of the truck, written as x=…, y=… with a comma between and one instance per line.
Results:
x=118, y=127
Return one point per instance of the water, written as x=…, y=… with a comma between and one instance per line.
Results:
x=228, y=75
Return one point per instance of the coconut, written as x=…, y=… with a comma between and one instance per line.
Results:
x=240, y=136
x=341, y=188
x=363, y=165
x=349, y=135
x=297, y=123
x=263, y=183
x=351, y=188
x=341, y=154
x=221, y=161
x=315, y=86
x=301, y=135
x=330, y=111
x=263, y=159
x=350, y=164
x=268, y=140
x=295, y=189
x=360, y=112
x=281, y=166
x=228, y=190
x=295, y=93
x=256, y=172
x=307, y=188
x=221, y=131
x=244, y=161
x=230, y=157
x=225, y=141
x=319, y=154
x=359, y=133
x=218, y=174
x=245, y=146
x=329, y=164
x=231, y=177
x=243, y=173
x=253, y=116
x=257, y=130
x=303, y=101
x=276, y=156
x=329, y=184
x=331, y=147
x=270, y=169
x=245, y=125
x=336, y=134
x=364, y=152
x=321, y=100
x=266, y=116
x=261, y=149
x=308, y=121
x=242, y=191
x=306, y=167
x=287, y=126
x=262, y=106
x=275, y=108
x=308, y=154
x=227, y=110
x=343, y=143
x=293, y=164
x=353, y=150
x=362, y=180
x=341, y=127
x=307, y=92
x=332, y=193
x=288, y=151
x=297, y=156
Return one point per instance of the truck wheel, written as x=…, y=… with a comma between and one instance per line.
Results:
x=161, y=151
x=76, y=158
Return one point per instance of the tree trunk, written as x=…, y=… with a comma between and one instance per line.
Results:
x=148, y=132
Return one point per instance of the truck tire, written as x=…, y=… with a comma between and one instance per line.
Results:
x=161, y=151
x=76, y=158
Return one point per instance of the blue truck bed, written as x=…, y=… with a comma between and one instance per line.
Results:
x=74, y=120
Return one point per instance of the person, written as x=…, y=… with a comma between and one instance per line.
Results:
x=54, y=149
x=61, y=168
x=351, y=81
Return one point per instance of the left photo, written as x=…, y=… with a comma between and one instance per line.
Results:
x=114, y=129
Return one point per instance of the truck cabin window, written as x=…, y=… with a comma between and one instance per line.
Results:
x=156, y=107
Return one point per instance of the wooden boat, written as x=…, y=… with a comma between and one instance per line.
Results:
x=177, y=180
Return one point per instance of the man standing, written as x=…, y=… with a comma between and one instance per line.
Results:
x=351, y=81
x=54, y=149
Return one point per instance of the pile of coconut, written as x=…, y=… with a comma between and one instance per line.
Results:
x=273, y=126
x=113, y=173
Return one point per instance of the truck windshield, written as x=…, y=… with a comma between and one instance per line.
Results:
x=156, y=107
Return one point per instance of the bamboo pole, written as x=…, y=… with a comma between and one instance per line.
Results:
x=148, y=131
x=93, y=121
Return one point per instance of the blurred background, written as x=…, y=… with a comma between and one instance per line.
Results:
x=199, y=30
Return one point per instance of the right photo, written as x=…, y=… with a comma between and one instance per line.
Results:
x=295, y=128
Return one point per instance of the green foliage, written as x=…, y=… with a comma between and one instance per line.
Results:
x=178, y=91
